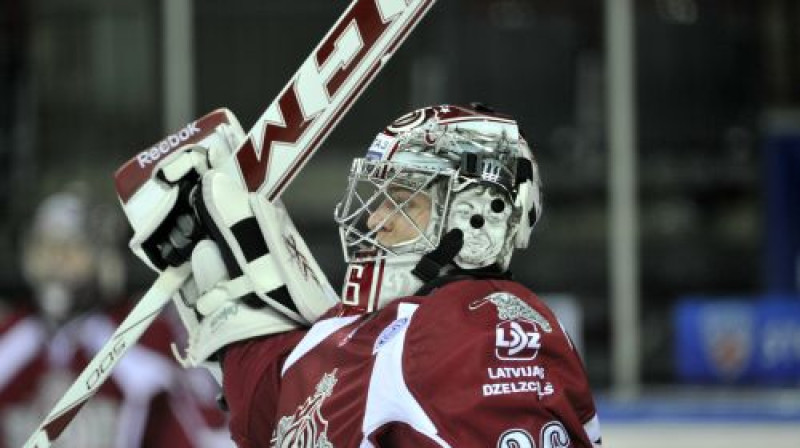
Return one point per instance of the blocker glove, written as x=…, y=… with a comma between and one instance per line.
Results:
x=166, y=229
x=253, y=274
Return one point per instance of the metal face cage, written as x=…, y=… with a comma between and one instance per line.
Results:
x=382, y=195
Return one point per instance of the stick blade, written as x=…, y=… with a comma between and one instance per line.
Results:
x=327, y=84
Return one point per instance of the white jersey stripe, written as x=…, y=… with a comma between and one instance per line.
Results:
x=19, y=346
x=388, y=397
x=592, y=428
x=315, y=335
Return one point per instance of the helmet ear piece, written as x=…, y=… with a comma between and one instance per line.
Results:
x=529, y=196
x=525, y=202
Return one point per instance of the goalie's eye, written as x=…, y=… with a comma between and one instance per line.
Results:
x=399, y=195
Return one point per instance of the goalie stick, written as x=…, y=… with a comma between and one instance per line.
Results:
x=282, y=140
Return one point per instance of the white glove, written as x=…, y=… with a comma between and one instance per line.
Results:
x=160, y=212
x=257, y=276
x=258, y=240
x=212, y=308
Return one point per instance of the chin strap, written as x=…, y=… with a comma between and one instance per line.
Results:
x=430, y=265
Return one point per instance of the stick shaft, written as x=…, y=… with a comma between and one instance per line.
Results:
x=99, y=369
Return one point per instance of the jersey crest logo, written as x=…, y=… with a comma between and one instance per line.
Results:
x=307, y=428
x=517, y=336
x=517, y=341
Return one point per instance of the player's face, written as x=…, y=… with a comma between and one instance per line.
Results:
x=400, y=226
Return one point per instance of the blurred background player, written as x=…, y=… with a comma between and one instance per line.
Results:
x=76, y=273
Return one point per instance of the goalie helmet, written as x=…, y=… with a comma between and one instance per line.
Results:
x=440, y=188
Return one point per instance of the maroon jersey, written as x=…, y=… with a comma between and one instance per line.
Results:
x=140, y=405
x=476, y=363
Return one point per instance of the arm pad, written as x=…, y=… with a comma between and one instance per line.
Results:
x=258, y=240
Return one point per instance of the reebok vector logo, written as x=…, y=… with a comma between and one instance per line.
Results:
x=168, y=144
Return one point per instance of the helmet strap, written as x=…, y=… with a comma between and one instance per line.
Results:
x=431, y=264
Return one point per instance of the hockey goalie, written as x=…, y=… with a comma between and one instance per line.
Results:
x=431, y=342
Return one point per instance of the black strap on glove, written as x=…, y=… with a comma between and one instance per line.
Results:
x=172, y=243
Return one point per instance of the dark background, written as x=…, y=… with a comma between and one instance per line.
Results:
x=80, y=93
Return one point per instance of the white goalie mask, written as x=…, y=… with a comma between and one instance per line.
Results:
x=429, y=172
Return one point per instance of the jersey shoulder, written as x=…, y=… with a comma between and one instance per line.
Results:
x=472, y=309
x=491, y=352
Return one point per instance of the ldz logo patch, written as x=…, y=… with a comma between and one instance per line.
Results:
x=518, y=334
x=517, y=340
